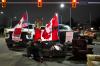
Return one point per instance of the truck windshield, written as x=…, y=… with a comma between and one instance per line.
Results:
x=29, y=27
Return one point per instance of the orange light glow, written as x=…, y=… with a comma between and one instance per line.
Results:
x=3, y=0
x=73, y=0
x=4, y=3
x=74, y=3
x=40, y=3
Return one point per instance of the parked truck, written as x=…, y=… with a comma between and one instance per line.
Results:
x=26, y=35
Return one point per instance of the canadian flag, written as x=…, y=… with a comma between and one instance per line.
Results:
x=23, y=21
x=50, y=33
x=18, y=28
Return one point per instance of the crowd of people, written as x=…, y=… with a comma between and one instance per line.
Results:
x=87, y=34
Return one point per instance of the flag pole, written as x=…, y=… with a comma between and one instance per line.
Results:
x=27, y=19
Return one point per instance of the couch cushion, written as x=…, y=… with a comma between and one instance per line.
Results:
x=95, y=63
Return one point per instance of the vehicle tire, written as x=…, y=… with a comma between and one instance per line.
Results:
x=9, y=43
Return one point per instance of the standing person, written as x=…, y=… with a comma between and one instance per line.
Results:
x=35, y=47
x=76, y=33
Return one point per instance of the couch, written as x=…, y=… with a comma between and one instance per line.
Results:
x=93, y=60
x=80, y=48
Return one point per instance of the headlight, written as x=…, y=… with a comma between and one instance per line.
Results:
x=29, y=36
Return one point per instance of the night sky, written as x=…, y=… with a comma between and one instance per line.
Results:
x=80, y=14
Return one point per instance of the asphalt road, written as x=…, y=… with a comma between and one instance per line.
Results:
x=15, y=58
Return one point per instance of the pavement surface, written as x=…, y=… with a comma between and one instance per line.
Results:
x=15, y=58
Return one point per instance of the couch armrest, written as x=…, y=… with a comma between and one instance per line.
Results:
x=91, y=57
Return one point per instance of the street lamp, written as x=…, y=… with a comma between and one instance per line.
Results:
x=6, y=16
x=15, y=17
x=1, y=12
x=62, y=6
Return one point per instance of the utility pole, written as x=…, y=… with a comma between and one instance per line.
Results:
x=70, y=16
x=90, y=18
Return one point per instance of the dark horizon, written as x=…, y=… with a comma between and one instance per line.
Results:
x=79, y=14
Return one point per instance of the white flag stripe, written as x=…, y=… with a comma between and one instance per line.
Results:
x=48, y=30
